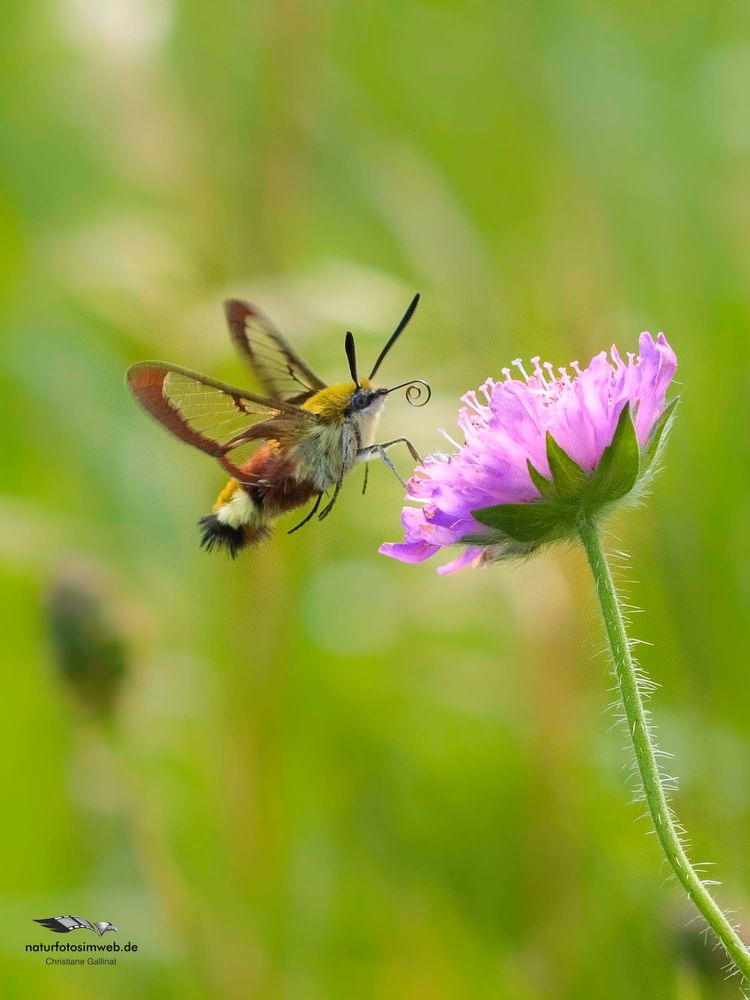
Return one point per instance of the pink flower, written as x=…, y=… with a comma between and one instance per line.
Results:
x=508, y=429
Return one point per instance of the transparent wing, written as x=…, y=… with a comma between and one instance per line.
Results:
x=282, y=373
x=210, y=415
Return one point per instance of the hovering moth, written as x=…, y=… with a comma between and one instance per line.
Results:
x=292, y=446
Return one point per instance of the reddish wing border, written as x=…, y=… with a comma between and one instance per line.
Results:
x=245, y=416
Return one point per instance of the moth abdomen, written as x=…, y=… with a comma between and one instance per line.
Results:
x=216, y=534
x=244, y=512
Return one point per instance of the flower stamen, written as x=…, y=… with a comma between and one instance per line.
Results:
x=538, y=371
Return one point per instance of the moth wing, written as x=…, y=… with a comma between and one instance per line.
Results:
x=211, y=415
x=278, y=367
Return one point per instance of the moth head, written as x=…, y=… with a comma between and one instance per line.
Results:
x=365, y=395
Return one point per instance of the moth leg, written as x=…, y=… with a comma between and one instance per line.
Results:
x=412, y=450
x=363, y=454
x=329, y=506
x=380, y=450
x=364, y=484
x=311, y=514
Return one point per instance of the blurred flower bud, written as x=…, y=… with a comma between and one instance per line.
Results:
x=89, y=648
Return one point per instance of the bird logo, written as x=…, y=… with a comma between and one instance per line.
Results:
x=64, y=925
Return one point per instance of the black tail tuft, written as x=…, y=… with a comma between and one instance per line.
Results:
x=216, y=535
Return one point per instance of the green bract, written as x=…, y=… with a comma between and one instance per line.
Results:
x=572, y=495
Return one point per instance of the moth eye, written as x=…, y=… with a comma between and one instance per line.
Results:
x=360, y=400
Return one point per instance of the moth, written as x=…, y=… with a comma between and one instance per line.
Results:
x=292, y=446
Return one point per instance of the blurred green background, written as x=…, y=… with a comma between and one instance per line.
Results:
x=317, y=773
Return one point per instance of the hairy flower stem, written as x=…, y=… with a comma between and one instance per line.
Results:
x=645, y=752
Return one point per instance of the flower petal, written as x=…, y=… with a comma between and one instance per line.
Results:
x=408, y=552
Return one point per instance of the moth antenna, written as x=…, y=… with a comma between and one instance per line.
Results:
x=396, y=334
x=351, y=356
